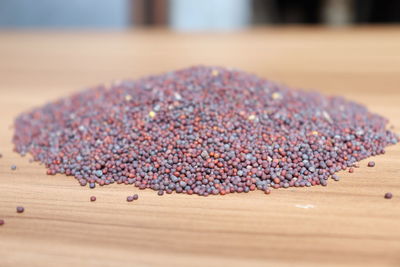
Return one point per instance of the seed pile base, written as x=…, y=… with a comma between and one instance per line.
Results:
x=201, y=130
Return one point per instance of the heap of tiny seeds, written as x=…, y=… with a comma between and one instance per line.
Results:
x=201, y=130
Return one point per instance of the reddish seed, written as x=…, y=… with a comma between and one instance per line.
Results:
x=1, y=222
x=371, y=164
x=20, y=209
x=92, y=198
x=351, y=170
x=388, y=195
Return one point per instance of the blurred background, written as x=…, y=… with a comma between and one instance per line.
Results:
x=193, y=15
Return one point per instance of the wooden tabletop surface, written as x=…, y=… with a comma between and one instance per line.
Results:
x=346, y=223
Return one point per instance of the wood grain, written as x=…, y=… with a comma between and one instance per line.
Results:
x=350, y=222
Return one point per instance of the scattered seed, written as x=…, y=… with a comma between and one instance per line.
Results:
x=192, y=131
x=351, y=170
x=92, y=198
x=135, y=197
x=388, y=195
x=129, y=198
x=371, y=164
x=1, y=222
x=13, y=167
x=20, y=209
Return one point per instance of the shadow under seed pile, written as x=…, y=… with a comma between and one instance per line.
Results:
x=201, y=130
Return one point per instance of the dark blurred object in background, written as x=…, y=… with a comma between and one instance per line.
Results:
x=374, y=11
x=193, y=14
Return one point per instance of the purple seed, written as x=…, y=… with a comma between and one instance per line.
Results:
x=92, y=198
x=201, y=130
x=2, y=221
x=20, y=209
x=135, y=197
x=388, y=195
x=129, y=198
x=371, y=164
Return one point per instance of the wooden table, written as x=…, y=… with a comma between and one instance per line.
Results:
x=347, y=223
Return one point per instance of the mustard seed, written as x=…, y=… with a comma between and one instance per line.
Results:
x=203, y=131
x=371, y=164
x=388, y=195
x=20, y=209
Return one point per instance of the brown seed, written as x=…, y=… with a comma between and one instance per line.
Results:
x=1, y=222
x=388, y=195
x=20, y=209
x=92, y=198
x=371, y=164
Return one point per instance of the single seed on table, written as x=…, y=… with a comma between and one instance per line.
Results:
x=371, y=164
x=92, y=198
x=20, y=209
x=129, y=198
x=388, y=195
x=1, y=221
x=135, y=196
x=351, y=170
x=13, y=167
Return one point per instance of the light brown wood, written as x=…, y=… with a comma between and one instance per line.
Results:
x=350, y=222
